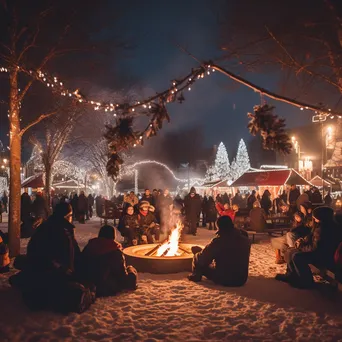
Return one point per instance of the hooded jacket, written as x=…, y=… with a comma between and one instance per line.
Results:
x=230, y=250
x=103, y=265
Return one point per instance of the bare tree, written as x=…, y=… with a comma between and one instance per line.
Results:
x=299, y=41
x=56, y=135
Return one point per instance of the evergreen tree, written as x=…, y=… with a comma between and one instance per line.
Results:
x=210, y=175
x=234, y=171
x=242, y=159
x=221, y=163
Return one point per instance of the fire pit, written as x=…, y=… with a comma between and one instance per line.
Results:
x=167, y=257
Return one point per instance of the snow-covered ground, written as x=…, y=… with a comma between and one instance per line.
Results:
x=170, y=308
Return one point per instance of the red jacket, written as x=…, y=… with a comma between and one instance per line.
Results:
x=225, y=212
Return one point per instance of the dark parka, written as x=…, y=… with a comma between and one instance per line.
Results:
x=103, y=265
x=230, y=250
x=192, y=207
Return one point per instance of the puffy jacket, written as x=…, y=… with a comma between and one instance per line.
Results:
x=230, y=250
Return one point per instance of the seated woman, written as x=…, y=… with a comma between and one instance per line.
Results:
x=257, y=218
x=48, y=274
x=282, y=243
x=103, y=264
x=225, y=210
x=150, y=231
x=129, y=226
x=317, y=248
x=225, y=259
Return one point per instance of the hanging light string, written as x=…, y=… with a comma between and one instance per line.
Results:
x=177, y=87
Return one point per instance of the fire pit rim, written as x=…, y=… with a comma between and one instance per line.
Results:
x=129, y=252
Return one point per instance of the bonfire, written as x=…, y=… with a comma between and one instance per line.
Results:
x=171, y=246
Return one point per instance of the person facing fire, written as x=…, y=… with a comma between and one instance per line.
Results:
x=147, y=221
x=192, y=206
x=129, y=227
x=225, y=259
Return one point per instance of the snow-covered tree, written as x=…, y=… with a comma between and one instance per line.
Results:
x=242, y=159
x=234, y=171
x=210, y=175
x=221, y=163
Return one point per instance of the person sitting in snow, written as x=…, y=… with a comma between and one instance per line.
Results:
x=129, y=226
x=225, y=259
x=104, y=265
x=150, y=231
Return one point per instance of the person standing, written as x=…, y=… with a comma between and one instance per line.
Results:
x=211, y=213
x=5, y=201
x=90, y=205
x=192, y=206
x=204, y=211
x=293, y=196
x=250, y=200
x=82, y=207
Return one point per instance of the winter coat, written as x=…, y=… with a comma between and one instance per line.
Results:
x=4, y=200
x=26, y=207
x=257, y=219
x=192, y=206
x=40, y=207
x=316, y=197
x=82, y=203
x=99, y=202
x=293, y=195
x=238, y=200
x=54, y=202
x=149, y=199
x=250, y=200
x=90, y=200
x=146, y=220
x=230, y=250
x=323, y=240
x=131, y=200
x=225, y=212
x=103, y=264
x=128, y=221
x=53, y=247
x=211, y=211
x=266, y=204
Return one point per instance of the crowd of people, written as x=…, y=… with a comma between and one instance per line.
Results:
x=55, y=274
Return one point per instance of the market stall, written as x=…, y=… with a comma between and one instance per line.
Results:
x=274, y=180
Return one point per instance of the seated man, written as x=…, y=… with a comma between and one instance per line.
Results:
x=225, y=259
x=103, y=264
x=150, y=230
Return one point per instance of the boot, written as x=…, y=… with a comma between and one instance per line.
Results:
x=279, y=259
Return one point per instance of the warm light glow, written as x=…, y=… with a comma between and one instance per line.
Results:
x=171, y=245
x=5, y=160
x=329, y=129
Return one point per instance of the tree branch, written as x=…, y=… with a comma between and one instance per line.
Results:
x=35, y=122
x=267, y=92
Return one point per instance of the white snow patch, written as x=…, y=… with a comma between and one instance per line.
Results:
x=170, y=308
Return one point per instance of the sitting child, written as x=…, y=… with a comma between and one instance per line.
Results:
x=104, y=265
x=150, y=231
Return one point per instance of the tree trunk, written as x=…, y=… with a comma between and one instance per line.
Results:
x=15, y=163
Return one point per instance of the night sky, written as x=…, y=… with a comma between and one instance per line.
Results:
x=216, y=103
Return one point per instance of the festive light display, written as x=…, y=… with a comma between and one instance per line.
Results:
x=210, y=175
x=242, y=159
x=222, y=168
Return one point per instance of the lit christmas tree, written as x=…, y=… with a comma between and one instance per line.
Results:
x=242, y=160
x=234, y=171
x=221, y=163
x=210, y=175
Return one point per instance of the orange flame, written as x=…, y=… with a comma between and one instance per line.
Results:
x=171, y=245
